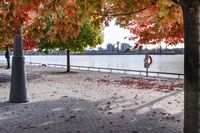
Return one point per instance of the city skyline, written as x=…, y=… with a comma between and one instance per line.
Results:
x=113, y=34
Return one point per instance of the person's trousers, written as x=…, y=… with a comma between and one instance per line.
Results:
x=8, y=63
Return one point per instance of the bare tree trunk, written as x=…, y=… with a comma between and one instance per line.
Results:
x=68, y=60
x=191, y=13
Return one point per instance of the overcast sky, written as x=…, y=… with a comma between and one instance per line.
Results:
x=114, y=33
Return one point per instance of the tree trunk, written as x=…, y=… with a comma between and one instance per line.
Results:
x=191, y=13
x=68, y=60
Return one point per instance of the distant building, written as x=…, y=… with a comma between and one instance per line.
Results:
x=117, y=46
x=100, y=49
x=125, y=46
x=30, y=52
x=110, y=48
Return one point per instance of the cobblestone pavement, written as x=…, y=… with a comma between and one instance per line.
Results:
x=88, y=102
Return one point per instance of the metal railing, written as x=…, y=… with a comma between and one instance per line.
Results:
x=112, y=70
x=124, y=71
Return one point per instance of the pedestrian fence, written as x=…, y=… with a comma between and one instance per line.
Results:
x=111, y=70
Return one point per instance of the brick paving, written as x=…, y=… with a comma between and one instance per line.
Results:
x=88, y=102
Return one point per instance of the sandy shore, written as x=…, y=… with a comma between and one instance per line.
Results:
x=92, y=102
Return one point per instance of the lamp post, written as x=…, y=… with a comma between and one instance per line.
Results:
x=146, y=64
x=18, y=92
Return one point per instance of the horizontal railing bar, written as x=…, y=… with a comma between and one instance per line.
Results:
x=128, y=70
x=110, y=69
x=33, y=63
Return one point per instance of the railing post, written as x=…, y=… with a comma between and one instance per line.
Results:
x=146, y=72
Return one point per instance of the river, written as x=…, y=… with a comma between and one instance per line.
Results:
x=161, y=63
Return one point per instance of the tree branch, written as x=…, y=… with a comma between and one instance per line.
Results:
x=57, y=11
x=52, y=3
x=127, y=13
x=177, y=2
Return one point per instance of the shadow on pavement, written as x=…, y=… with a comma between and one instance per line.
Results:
x=7, y=78
x=75, y=115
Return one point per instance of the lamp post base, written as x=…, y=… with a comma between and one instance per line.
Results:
x=18, y=92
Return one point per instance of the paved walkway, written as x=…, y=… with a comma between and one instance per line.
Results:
x=89, y=102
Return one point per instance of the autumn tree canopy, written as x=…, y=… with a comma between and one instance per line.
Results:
x=162, y=21
x=31, y=15
x=88, y=36
x=150, y=21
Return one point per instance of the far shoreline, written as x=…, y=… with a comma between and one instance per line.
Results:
x=92, y=54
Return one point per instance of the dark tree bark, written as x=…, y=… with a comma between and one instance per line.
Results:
x=68, y=60
x=191, y=13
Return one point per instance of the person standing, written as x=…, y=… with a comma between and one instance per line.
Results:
x=7, y=55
